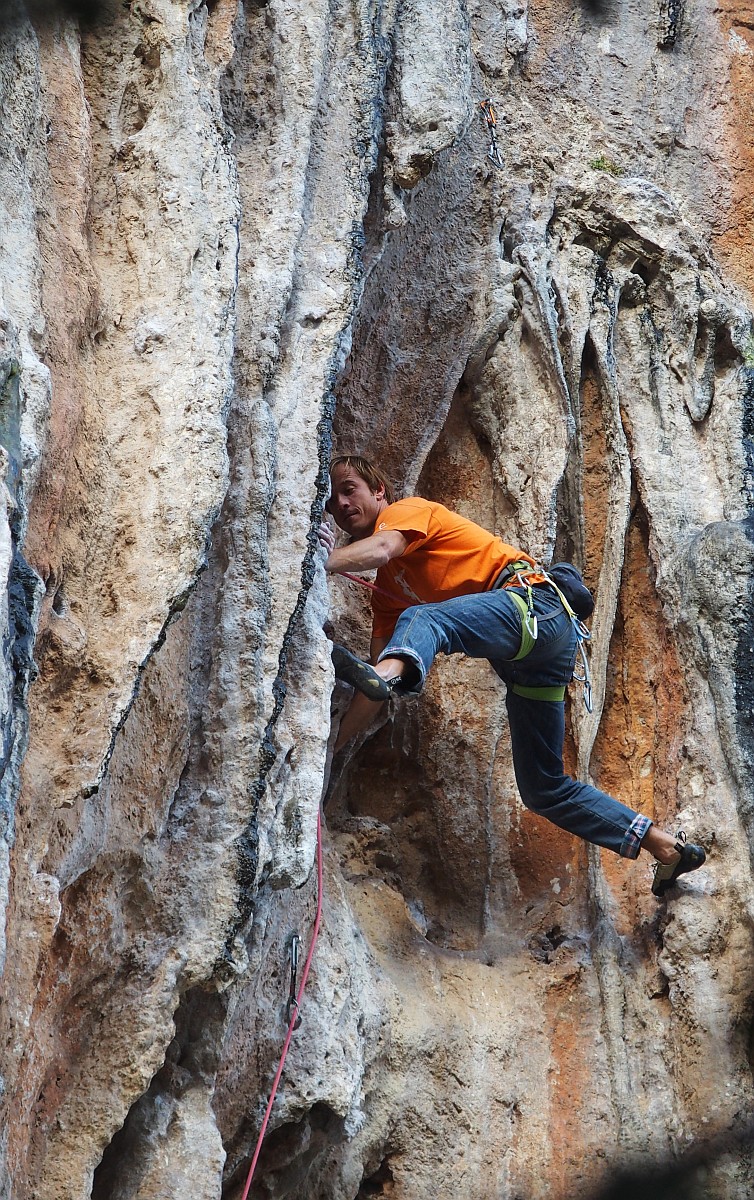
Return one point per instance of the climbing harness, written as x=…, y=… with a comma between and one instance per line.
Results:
x=490, y=117
x=583, y=636
x=529, y=627
x=294, y=1004
x=519, y=571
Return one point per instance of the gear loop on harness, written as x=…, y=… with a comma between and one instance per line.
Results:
x=519, y=571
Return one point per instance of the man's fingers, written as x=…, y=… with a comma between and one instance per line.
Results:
x=326, y=537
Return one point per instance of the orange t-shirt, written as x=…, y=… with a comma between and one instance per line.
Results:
x=446, y=556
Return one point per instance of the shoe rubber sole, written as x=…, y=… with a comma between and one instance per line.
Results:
x=359, y=674
x=692, y=857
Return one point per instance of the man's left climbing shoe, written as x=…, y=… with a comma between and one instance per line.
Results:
x=359, y=674
x=666, y=874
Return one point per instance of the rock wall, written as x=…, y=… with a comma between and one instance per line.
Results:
x=233, y=237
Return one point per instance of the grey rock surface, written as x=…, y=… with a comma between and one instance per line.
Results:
x=235, y=237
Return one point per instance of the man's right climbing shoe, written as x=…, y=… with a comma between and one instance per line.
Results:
x=359, y=674
x=666, y=874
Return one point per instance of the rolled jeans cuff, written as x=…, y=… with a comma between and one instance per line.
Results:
x=398, y=651
x=631, y=844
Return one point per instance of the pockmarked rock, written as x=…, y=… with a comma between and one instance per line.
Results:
x=235, y=239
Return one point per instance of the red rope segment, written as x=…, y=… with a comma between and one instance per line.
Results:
x=296, y=1007
x=365, y=583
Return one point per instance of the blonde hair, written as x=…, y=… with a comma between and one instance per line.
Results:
x=372, y=475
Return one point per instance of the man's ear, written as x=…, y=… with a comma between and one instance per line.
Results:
x=380, y=495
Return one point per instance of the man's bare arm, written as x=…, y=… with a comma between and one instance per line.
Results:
x=368, y=553
x=361, y=712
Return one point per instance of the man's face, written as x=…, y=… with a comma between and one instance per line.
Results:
x=352, y=504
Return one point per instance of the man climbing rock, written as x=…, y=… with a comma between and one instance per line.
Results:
x=447, y=585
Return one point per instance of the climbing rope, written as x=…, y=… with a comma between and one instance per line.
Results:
x=294, y=1005
x=365, y=583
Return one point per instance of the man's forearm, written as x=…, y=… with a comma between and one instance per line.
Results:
x=366, y=554
x=358, y=557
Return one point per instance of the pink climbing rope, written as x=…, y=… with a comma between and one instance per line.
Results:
x=296, y=1007
x=310, y=955
x=365, y=583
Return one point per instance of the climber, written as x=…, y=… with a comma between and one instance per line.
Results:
x=447, y=585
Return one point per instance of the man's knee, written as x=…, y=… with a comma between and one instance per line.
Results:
x=541, y=792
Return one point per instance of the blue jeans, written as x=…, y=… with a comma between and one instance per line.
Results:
x=489, y=625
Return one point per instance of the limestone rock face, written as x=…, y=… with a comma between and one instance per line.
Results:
x=235, y=236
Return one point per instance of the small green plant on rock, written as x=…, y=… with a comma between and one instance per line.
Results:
x=603, y=163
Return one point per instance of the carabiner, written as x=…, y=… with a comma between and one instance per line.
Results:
x=292, y=1005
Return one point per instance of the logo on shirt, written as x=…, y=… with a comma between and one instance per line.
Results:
x=381, y=525
x=400, y=579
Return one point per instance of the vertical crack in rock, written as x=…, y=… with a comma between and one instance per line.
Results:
x=617, y=502
x=247, y=845
x=607, y=948
x=300, y=313
x=175, y=608
x=22, y=590
x=671, y=18
x=173, y=1118
x=744, y=661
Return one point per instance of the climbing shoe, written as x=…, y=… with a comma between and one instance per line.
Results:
x=666, y=874
x=360, y=674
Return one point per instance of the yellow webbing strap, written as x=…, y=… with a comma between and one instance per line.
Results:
x=556, y=693
x=539, y=693
x=561, y=597
x=527, y=641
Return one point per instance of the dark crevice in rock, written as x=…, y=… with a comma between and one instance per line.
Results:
x=543, y=945
x=671, y=18
x=287, y=1166
x=382, y=194
x=645, y=270
x=175, y=608
x=46, y=14
x=748, y=437
x=726, y=354
x=191, y=1060
x=247, y=109
x=570, y=541
x=25, y=589
x=247, y=843
x=378, y=1183
x=655, y=340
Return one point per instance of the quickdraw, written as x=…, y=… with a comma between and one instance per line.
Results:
x=292, y=1006
x=490, y=116
x=520, y=571
x=582, y=636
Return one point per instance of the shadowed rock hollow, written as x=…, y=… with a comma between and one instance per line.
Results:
x=232, y=238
